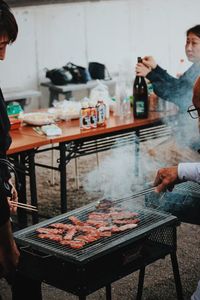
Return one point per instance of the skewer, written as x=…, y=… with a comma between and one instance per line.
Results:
x=23, y=205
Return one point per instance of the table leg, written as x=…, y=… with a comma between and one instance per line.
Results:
x=137, y=152
x=53, y=96
x=63, y=178
x=33, y=186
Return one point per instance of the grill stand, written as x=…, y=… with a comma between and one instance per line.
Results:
x=84, y=279
x=176, y=278
x=108, y=293
x=140, y=283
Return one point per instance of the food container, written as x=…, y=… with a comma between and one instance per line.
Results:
x=37, y=118
x=15, y=123
x=14, y=108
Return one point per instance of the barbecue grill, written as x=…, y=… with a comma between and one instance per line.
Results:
x=98, y=264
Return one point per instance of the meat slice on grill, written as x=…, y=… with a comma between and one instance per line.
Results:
x=105, y=233
x=49, y=230
x=52, y=237
x=107, y=228
x=98, y=216
x=126, y=221
x=123, y=228
x=104, y=204
x=98, y=224
x=62, y=226
x=87, y=238
x=69, y=235
x=123, y=215
x=76, y=221
x=73, y=244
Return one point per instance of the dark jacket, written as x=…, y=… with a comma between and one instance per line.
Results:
x=176, y=90
x=5, y=141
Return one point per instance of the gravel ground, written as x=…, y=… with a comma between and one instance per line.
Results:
x=159, y=281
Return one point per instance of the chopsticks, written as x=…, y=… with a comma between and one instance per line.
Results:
x=24, y=206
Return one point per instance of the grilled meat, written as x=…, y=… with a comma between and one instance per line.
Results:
x=99, y=224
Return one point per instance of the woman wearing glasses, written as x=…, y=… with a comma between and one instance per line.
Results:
x=166, y=178
x=167, y=87
x=180, y=91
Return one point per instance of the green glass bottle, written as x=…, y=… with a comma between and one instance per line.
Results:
x=140, y=97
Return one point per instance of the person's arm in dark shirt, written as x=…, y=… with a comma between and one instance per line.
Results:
x=176, y=90
x=5, y=142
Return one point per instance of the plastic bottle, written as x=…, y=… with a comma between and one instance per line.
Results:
x=126, y=107
x=85, y=115
x=101, y=113
x=121, y=98
x=100, y=92
x=93, y=114
x=140, y=97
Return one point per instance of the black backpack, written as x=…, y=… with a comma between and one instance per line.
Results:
x=98, y=71
x=58, y=76
x=79, y=74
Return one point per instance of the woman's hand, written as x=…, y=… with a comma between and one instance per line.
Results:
x=166, y=178
x=149, y=62
x=13, y=208
x=142, y=70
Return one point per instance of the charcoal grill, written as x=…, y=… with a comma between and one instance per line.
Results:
x=102, y=262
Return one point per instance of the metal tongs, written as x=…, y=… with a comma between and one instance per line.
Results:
x=144, y=192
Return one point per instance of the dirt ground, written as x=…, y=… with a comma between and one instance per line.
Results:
x=159, y=281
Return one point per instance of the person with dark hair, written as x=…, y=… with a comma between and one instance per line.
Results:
x=167, y=87
x=166, y=178
x=9, y=254
x=179, y=91
x=22, y=287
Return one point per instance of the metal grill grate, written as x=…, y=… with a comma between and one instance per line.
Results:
x=149, y=221
x=189, y=188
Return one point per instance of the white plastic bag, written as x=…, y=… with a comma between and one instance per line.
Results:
x=66, y=109
x=100, y=92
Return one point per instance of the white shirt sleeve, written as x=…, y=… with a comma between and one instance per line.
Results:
x=189, y=171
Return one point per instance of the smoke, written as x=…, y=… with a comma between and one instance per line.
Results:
x=121, y=172
x=117, y=175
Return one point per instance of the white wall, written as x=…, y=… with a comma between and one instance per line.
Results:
x=113, y=32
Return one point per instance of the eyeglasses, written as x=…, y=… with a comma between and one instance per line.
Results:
x=193, y=112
